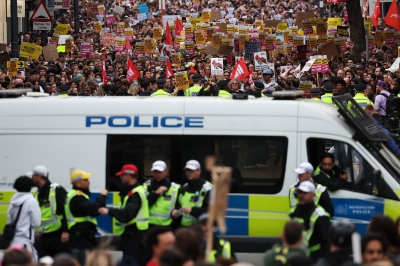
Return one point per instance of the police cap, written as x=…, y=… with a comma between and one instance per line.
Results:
x=259, y=85
x=197, y=77
x=222, y=84
x=328, y=86
x=315, y=90
x=64, y=87
x=360, y=87
x=340, y=233
x=160, y=82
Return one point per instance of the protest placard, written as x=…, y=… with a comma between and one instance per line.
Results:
x=225, y=49
x=215, y=15
x=307, y=27
x=210, y=50
x=50, y=52
x=97, y=26
x=206, y=15
x=222, y=27
x=157, y=33
x=118, y=9
x=305, y=85
x=171, y=20
x=260, y=60
x=199, y=36
x=182, y=80
x=251, y=47
x=343, y=31
x=329, y=49
x=68, y=45
x=108, y=38
x=333, y=23
x=128, y=33
x=217, y=66
x=62, y=29
x=176, y=59
x=30, y=50
x=302, y=16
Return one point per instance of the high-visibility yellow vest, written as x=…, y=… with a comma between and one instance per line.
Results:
x=142, y=218
x=318, y=170
x=224, y=94
x=190, y=199
x=160, y=93
x=307, y=234
x=160, y=211
x=50, y=220
x=327, y=98
x=316, y=99
x=193, y=91
x=293, y=201
x=71, y=219
x=226, y=251
x=362, y=100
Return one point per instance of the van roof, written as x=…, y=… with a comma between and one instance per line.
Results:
x=37, y=113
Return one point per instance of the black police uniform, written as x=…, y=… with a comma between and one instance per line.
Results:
x=50, y=243
x=334, y=182
x=132, y=240
x=82, y=235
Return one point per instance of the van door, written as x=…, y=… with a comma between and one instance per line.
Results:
x=361, y=197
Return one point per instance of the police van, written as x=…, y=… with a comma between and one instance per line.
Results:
x=262, y=140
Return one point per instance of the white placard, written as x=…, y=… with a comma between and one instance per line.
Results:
x=217, y=66
x=41, y=25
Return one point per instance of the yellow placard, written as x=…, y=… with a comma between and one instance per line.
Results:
x=210, y=33
x=199, y=36
x=226, y=41
x=55, y=37
x=148, y=46
x=120, y=26
x=176, y=59
x=368, y=24
x=182, y=80
x=231, y=28
x=179, y=39
x=322, y=39
x=305, y=85
x=120, y=41
x=30, y=50
x=258, y=23
x=12, y=65
x=68, y=45
x=62, y=29
x=194, y=21
x=315, y=21
x=189, y=45
x=139, y=46
x=298, y=41
x=242, y=41
x=312, y=42
x=282, y=26
x=206, y=16
x=61, y=49
x=129, y=32
x=157, y=33
x=189, y=29
x=334, y=22
x=97, y=26
x=216, y=40
x=101, y=8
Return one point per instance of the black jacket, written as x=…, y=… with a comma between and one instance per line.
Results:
x=152, y=196
x=61, y=195
x=334, y=182
x=337, y=258
x=131, y=209
x=81, y=207
x=320, y=234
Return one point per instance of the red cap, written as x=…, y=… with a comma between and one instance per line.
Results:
x=128, y=169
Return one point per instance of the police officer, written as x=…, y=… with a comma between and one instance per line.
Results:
x=162, y=195
x=53, y=229
x=193, y=196
x=195, y=89
x=132, y=216
x=304, y=172
x=259, y=86
x=327, y=97
x=160, y=92
x=220, y=247
x=360, y=96
x=223, y=89
x=316, y=94
x=64, y=90
x=328, y=174
x=81, y=214
x=339, y=235
x=314, y=219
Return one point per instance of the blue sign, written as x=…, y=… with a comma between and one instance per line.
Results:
x=144, y=9
x=137, y=121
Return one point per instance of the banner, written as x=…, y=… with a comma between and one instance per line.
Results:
x=217, y=66
x=260, y=60
x=182, y=80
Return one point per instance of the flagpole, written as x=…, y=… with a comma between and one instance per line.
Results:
x=366, y=44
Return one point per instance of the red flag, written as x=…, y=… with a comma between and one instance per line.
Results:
x=168, y=37
x=132, y=72
x=192, y=70
x=240, y=70
x=377, y=14
x=178, y=27
x=168, y=69
x=392, y=17
x=103, y=71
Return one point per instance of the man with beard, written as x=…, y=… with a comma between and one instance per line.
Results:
x=328, y=174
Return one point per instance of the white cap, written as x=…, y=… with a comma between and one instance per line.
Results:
x=47, y=260
x=159, y=166
x=192, y=165
x=40, y=170
x=306, y=186
x=305, y=167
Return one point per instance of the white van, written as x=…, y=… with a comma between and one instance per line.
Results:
x=262, y=140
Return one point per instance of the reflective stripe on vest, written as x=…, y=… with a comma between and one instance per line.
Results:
x=361, y=99
x=193, y=91
x=142, y=218
x=72, y=220
x=318, y=212
x=225, y=253
x=160, y=211
x=318, y=170
x=327, y=98
x=224, y=94
x=293, y=201
x=50, y=221
x=160, y=93
x=185, y=201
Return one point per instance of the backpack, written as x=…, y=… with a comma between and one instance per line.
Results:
x=9, y=229
x=391, y=103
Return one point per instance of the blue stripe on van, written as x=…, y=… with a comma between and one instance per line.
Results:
x=236, y=224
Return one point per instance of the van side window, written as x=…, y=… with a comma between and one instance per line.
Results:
x=358, y=170
x=258, y=163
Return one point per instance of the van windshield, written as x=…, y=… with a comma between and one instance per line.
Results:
x=389, y=160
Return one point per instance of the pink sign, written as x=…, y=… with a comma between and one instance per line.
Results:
x=110, y=19
x=86, y=49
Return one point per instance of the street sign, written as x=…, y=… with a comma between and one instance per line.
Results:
x=41, y=14
x=19, y=64
x=41, y=25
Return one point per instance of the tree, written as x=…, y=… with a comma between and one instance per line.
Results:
x=357, y=31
